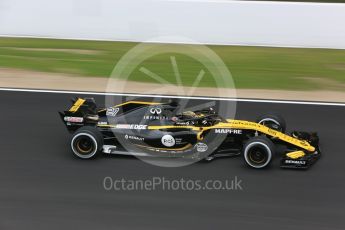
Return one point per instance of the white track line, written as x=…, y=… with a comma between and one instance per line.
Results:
x=169, y=96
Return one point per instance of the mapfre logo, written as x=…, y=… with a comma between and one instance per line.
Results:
x=155, y=110
x=168, y=140
x=229, y=131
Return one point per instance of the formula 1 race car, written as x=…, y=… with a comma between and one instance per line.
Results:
x=156, y=129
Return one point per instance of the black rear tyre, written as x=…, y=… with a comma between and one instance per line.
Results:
x=258, y=152
x=86, y=142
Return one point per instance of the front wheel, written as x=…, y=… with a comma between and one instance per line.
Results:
x=258, y=152
x=273, y=121
x=86, y=142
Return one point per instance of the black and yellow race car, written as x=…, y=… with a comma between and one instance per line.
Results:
x=158, y=130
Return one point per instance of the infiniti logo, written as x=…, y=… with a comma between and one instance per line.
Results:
x=156, y=110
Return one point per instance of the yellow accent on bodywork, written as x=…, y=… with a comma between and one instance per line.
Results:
x=295, y=154
x=199, y=136
x=106, y=126
x=156, y=127
x=133, y=102
x=239, y=124
x=76, y=105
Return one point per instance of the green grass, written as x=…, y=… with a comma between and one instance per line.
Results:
x=251, y=67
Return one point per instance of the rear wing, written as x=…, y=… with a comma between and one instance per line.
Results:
x=82, y=111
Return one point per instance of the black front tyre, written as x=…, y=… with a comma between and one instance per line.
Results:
x=258, y=152
x=86, y=142
x=273, y=121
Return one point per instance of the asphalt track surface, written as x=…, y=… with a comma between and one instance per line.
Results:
x=44, y=187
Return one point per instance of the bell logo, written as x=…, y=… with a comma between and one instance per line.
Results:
x=168, y=140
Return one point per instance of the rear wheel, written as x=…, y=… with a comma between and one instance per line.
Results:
x=273, y=121
x=86, y=142
x=258, y=152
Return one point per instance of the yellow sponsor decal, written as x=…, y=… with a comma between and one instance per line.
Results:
x=77, y=105
x=295, y=154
